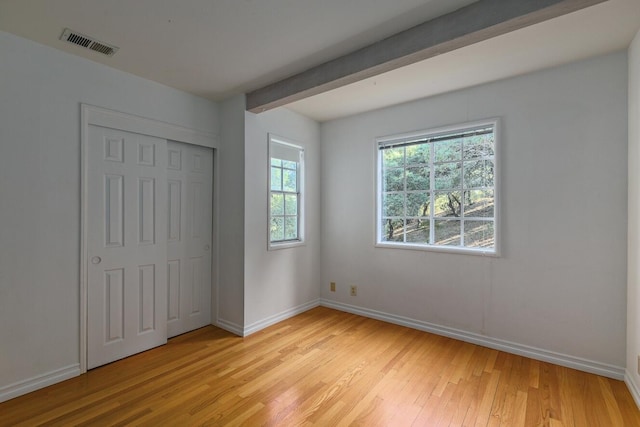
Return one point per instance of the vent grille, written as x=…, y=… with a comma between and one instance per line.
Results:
x=88, y=42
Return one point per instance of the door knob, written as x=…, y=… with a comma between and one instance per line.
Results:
x=96, y=260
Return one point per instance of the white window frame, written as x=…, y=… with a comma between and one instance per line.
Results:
x=300, y=241
x=430, y=133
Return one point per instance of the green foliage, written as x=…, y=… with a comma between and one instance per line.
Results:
x=393, y=157
x=417, y=178
x=478, y=173
x=291, y=228
x=393, y=204
x=291, y=204
x=277, y=229
x=276, y=178
x=418, y=204
x=447, y=151
x=418, y=154
x=289, y=180
x=478, y=146
x=277, y=204
x=393, y=179
x=447, y=176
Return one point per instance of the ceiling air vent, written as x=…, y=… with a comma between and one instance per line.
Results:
x=88, y=42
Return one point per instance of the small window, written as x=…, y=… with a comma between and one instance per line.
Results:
x=286, y=163
x=437, y=190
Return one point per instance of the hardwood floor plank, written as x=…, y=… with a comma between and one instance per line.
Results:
x=488, y=398
x=577, y=392
x=627, y=405
x=534, y=414
x=610, y=401
x=327, y=368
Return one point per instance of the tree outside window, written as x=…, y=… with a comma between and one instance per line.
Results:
x=438, y=189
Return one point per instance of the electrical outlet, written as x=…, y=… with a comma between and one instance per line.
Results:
x=332, y=286
x=354, y=290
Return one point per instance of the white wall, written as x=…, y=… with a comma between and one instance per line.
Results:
x=230, y=225
x=257, y=287
x=279, y=282
x=560, y=284
x=633, y=252
x=41, y=91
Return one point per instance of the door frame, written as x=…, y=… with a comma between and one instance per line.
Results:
x=97, y=116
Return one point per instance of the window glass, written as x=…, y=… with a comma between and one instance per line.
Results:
x=438, y=189
x=285, y=192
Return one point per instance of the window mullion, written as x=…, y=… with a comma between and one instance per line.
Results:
x=432, y=199
x=404, y=194
x=462, y=162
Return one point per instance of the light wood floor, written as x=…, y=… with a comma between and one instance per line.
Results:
x=327, y=368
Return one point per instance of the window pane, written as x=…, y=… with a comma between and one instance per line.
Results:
x=447, y=176
x=392, y=230
x=277, y=229
x=291, y=228
x=393, y=179
x=447, y=232
x=417, y=178
x=291, y=204
x=447, y=204
x=446, y=151
x=286, y=166
x=478, y=174
x=418, y=204
x=478, y=234
x=289, y=181
x=478, y=203
x=277, y=204
x=418, y=231
x=289, y=165
x=393, y=157
x=490, y=144
x=478, y=146
x=276, y=179
x=440, y=192
x=418, y=154
x=393, y=205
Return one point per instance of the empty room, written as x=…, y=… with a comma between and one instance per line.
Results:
x=361, y=212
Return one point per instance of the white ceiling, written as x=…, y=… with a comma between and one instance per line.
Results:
x=596, y=30
x=218, y=48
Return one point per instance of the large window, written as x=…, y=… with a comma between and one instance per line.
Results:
x=286, y=162
x=437, y=189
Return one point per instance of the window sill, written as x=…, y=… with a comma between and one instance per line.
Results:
x=444, y=249
x=285, y=245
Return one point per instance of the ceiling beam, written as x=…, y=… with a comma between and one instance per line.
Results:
x=471, y=24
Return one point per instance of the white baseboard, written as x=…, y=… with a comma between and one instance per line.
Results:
x=633, y=387
x=271, y=320
x=606, y=370
x=32, y=384
x=232, y=327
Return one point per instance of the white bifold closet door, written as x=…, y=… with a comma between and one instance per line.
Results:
x=189, y=192
x=126, y=244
